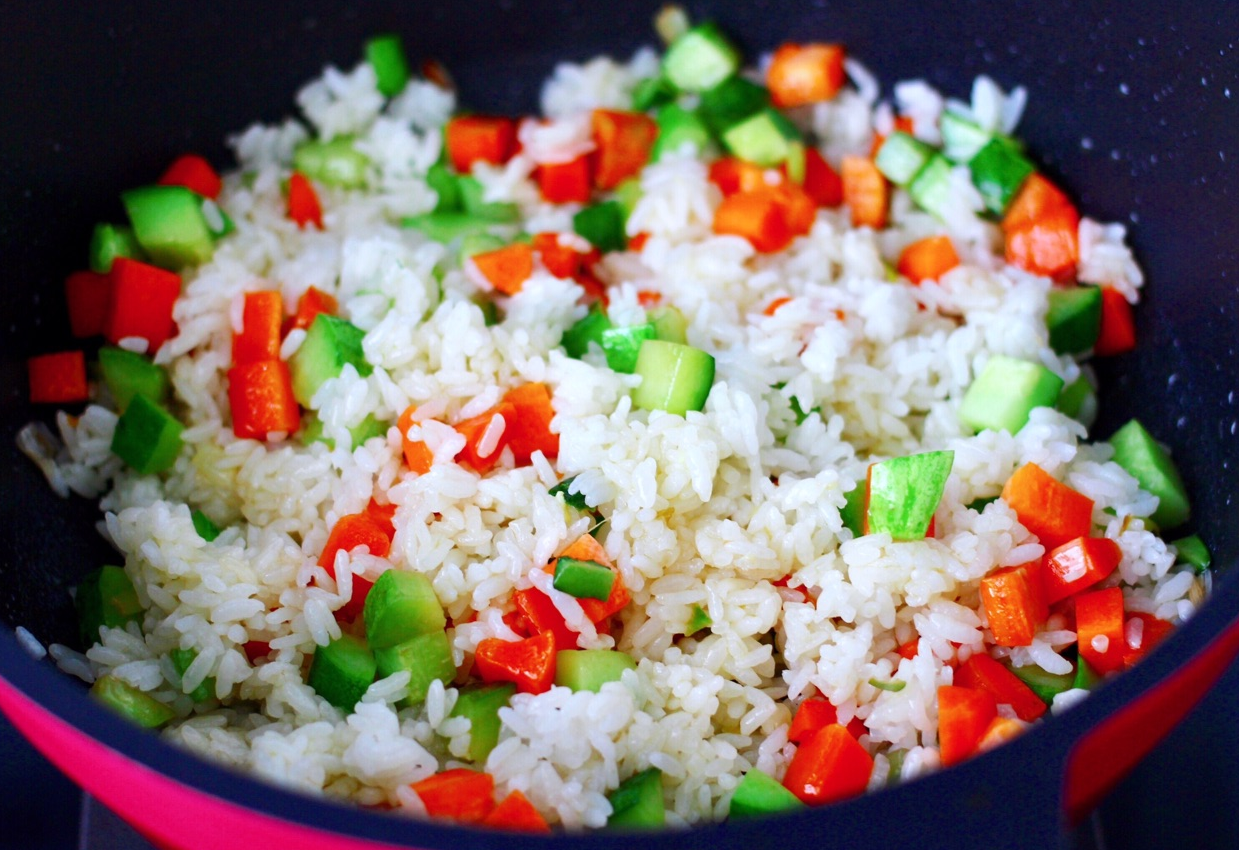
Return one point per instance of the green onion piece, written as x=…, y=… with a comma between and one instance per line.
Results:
x=895, y=759
x=853, y=512
x=698, y=619
x=1005, y=393
x=147, y=437
x=385, y=54
x=675, y=378
x=1191, y=550
x=472, y=200
x=479, y=243
x=894, y=686
x=978, y=505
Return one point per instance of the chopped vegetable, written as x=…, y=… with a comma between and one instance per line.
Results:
x=311, y=303
x=88, y=296
x=622, y=345
x=147, y=437
x=675, y=378
x=194, y=173
x=168, y=224
x=401, y=606
x=335, y=162
x=769, y=217
x=261, y=318
x=962, y=139
x=731, y=101
x=802, y=74
x=583, y=579
x=700, y=59
x=348, y=533
x=574, y=500
x=385, y=53
x=479, y=138
x=1086, y=677
x=901, y=157
x=204, y=525
x=565, y=182
x=1191, y=550
x=261, y=398
x=506, y=268
x=109, y=241
x=304, y=207
x=1099, y=629
x=481, y=704
x=678, y=127
x=821, y=182
x=1046, y=507
x=865, y=192
x=131, y=703
x=342, y=671
x=963, y=716
x=329, y=345
x=602, y=225
x=904, y=493
x=459, y=794
x=529, y=429
x=1015, y=603
x=181, y=660
x=141, y=303
x=105, y=597
x=127, y=374
x=1041, y=227
x=764, y=138
x=829, y=766
x=58, y=378
x=426, y=658
x=998, y=171
x=758, y=794
x=1140, y=639
x=1079, y=564
x=590, y=669
x=1117, y=331
x=984, y=673
x=931, y=188
x=1074, y=318
x=1044, y=684
x=528, y=663
x=1145, y=460
x=516, y=814
x=698, y=619
x=1005, y=393
x=928, y=259
x=623, y=142
x=638, y=801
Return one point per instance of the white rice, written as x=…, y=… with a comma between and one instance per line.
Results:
x=705, y=510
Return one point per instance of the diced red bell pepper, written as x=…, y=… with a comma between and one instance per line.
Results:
x=261, y=318
x=816, y=713
x=1015, y=604
x=142, y=300
x=909, y=648
x=1079, y=564
x=474, y=431
x=528, y=663
x=417, y=455
x=540, y=615
x=479, y=138
x=1048, y=508
x=516, y=814
x=800, y=74
x=506, y=268
x=311, y=303
x=1152, y=632
x=384, y=515
x=529, y=430
x=304, y=207
x=1042, y=230
x=261, y=397
x=256, y=650
x=194, y=173
x=865, y=191
x=769, y=217
x=732, y=174
x=623, y=141
x=87, y=295
x=351, y=531
x=1099, y=629
x=928, y=259
x=58, y=378
x=560, y=260
x=963, y=716
x=821, y=182
x=984, y=673
x=1118, y=325
x=830, y=766
x=565, y=182
x=459, y=794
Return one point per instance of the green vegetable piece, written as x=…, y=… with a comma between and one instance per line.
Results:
x=447, y=225
x=1044, y=685
x=901, y=157
x=978, y=505
x=342, y=671
x=590, y=669
x=796, y=163
x=479, y=243
x=334, y=162
x=367, y=429
x=802, y=415
x=931, y=188
x=312, y=431
x=1074, y=319
x=127, y=373
x=638, y=801
x=129, y=702
x=481, y=705
x=206, y=529
x=168, y=224
x=998, y=172
x=627, y=194
x=105, y=597
x=1143, y=457
x=471, y=200
x=700, y=59
x=385, y=54
x=895, y=758
x=1191, y=550
x=698, y=619
x=678, y=126
x=576, y=500
x=675, y=378
x=904, y=492
x=669, y=324
x=218, y=222
x=427, y=658
x=440, y=178
x=622, y=345
x=853, y=511
x=1086, y=677
x=329, y=344
x=109, y=241
x=577, y=338
x=894, y=686
x=760, y=794
x=583, y=579
x=181, y=659
x=961, y=138
x=602, y=224
x=764, y=138
x=490, y=310
x=1079, y=401
x=399, y=607
x=651, y=93
x=731, y=101
x=147, y=437
x=1005, y=393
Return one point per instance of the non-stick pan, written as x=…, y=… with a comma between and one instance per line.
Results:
x=1133, y=106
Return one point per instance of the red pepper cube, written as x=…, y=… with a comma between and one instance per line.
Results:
x=528, y=663
x=530, y=429
x=964, y=715
x=58, y=378
x=1118, y=325
x=565, y=182
x=479, y=138
x=1014, y=601
x=984, y=673
x=194, y=173
x=87, y=295
x=831, y=765
x=1099, y=629
x=459, y=794
x=1078, y=565
x=304, y=207
x=623, y=141
x=352, y=531
x=260, y=328
x=261, y=397
x=141, y=305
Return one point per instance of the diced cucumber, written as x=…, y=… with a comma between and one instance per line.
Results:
x=342, y=671
x=853, y=511
x=127, y=373
x=1074, y=318
x=902, y=157
x=105, y=597
x=447, y=225
x=217, y=221
x=385, y=53
x=764, y=138
x=651, y=93
x=732, y=101
x=590, y=669
x=638, y=801
x=931, y=188
x=1086, y=677
x=312, y=431
x=700, y=59
x=1079, y=401
x=1145, y=460
x=623, y=345
x=109, y=241
x=401, y=606
x=123, y=698
x=577, y=338
x=583, y=579
x=334, y=162
x=1045, y=685
x=675, y=378
x=759, y=794
x=602, y=225
x=203, y=524
x=998, y=172
x=329, y=344
x=698, y=619
x=961, y=138
x=446, y=185
x=426, y=658
x=678, y=126
x=181, y=659
x=1005, y=393
x=575, y=500
x=669, y=324
x=147, y=437
x=627, y=194
x=904, y=493
x=168, y=224
x=1191, y=550
x=472, y=200
x=481, y=704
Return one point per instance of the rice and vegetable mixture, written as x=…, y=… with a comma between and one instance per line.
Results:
x=712, y=445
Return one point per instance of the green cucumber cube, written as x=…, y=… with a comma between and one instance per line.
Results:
x=577, y=338
x=446, y=225
x=669, y=325
x=401, y=606
x=638, y=801
x=127, y=373
x=385, y=54
x=700, y=59
x=998, y=172
x=675, y=378
x=961, y=138
x=109, y=241
x=1044, y=685
x=123, y=698
x=758, y=794
x=1005, y=393
x=902, y=157
x=1079, y=401
x=342, y=671
x=1191, y=550
x=329, y=344
x=602, y=225
x=732, y=101
x=627, y=194
x=931, y=188
x=590, y=669
x=446, y=185
x=583, y=579
x=651, y=93
x=426, y=657
x=333, y=161
x=904, y=492
x=105, y=597
x=1074, y=318
x=206, y=529
x=181, y=659
x=622, y=345
x=472, y=201
x=1143, y=457
x=147, y=437
x=764, y=138
x=168, y=224
x=678, y=126
x=481, y=704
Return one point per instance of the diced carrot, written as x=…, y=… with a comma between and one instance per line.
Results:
x=562, y=261
x=623, y=141
x=812, y=714
x=831, y=765
x=417, y=455
x=1015, y=603
x=58, y=378
x=1152, y=631
x=801, y=211
x=87, y=295
x=774, y=305
x=528, y=663
x=1036, y=199
x=141, y=305
x=759, y=215
x=865, y=191
x=928, y=259
x=260, y=395
x=822, y=183
x=516, y=814
x=1118, y=325
x=475, y=432
x=586, y=548
x=459, y=794
x=1000, y=731
x=479, y=138
x=565, y=182
x=595, y=290
x=1049, y=246
x=529, y=430
x=909, y=648
x=963, y=716
x=195, y=173
x=506, y=268
x=802, y=74
x=384, y=515
x=1099, y=629
x=1079, y=564
x=304, y=207
x=351, y=531
x=311, y=303
x=1047, y=507
x=732, y=174
x=260, y=328
x=984, y=673
x=647, y=298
